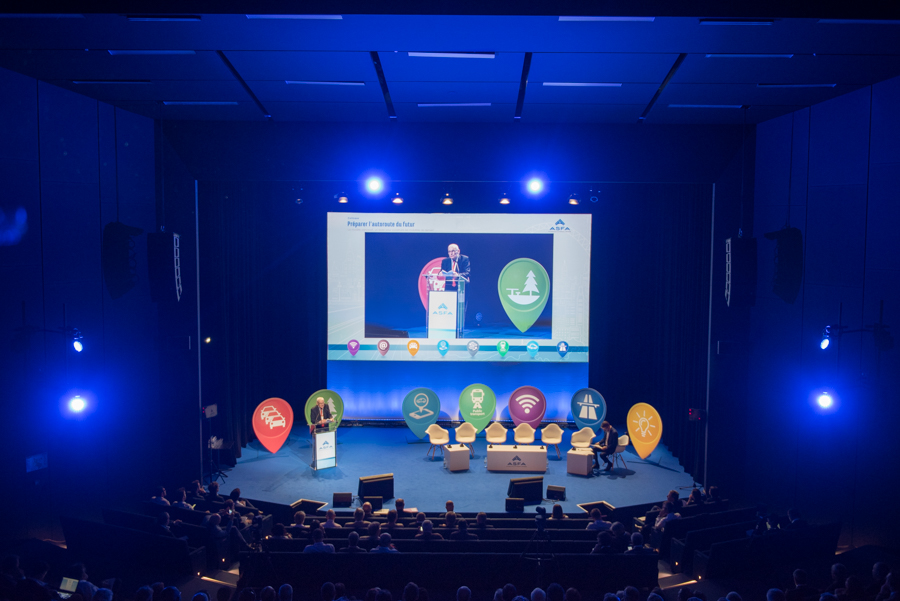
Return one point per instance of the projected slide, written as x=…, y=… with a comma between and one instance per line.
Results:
x=437, y=287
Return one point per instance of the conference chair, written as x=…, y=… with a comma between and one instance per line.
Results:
x=582, y=439
x=552, y=434
x=438, y=437
x=465, y=434
x=620, y=448
x=523, y=434
x=495, y=434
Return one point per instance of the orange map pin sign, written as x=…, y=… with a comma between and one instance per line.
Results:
x=413, y=347
x=644, y=428
x=272, y=421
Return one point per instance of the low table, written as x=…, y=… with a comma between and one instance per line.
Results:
x=456, y=457
x=507, y=458
x=580, y=461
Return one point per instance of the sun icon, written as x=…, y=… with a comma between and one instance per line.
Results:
x=643, y=423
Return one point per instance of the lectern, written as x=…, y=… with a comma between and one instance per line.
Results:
x=446, y=315
x=324, y=449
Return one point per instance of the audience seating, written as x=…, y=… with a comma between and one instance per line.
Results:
x=409, y=545
x=681, y=550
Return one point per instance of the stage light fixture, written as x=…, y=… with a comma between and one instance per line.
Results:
x=207, y=340
x=574, y=200
x=397, y=199
x=535, y=185
x=504, y=199
x=447, y=199
x=824, y=401
x=342, y=198
x=77, y=404
x=826, y=338
x=374, y=185
x=77, y=340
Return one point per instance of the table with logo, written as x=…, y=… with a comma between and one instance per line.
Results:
x=516, y=458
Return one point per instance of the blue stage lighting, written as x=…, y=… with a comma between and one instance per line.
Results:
x=824, y=344
x=826, y=338
x=374, y=185
x=78, y=346
x=825, y=401
x=535, y=185
x=77, y=404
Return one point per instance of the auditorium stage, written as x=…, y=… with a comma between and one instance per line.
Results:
x=424, y=483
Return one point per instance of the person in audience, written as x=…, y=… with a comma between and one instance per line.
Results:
x=285, y=593
x=247, y=594
x=314, y=524
x=33, y=587
x=202, y=596
x=353, y=544
x=631, y=594
x=450, y=521
x=572, y=594
x=774, y=594
x=598, y=523
x=481, y=521
x=853, y=590
x=712, y=494
x=328, y=591
x=655, y=597
x=839, y=573
x=162, y=528
x=498, y=594
x=78, y=571
x=464, y=593
x=666, y=515
x=299, y=524
x=170, y=593
x=555, y=592
x=621, y=539
x=160, y=497
x=428, y=532
x=879, y=575
x=224, y=593
x=604, y=544
x=104, y=594
x=509, y=591
x=10, y=574
x=538, y=594
x=196, y=492
x=372, y=593
x=801, y=590
x=226, y=532
x=392, y=521
x=212, y=493
x=448, y=508
x=319, y=545
x=330, y=516
x=235, y=495
x=374, y=530
x=695, y=498
x=462, y=533
x=557, y=513
x=181, y=499
x=359, y=520
x=157, y=588
x=795, y=520
x=279, y=532
x=733, y=596
x=420, y=519
x=610, y=597
x=384, y=546
x=340, y=591
x=891, y=589
x=410, y=592
x=637, y=546
x=145, y=593
x=367, y=510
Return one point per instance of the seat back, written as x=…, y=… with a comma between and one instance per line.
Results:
x=623, y=443
x=524, y=434
x=551, y=434
x=437, y=435
x=467, y=431
x=496, y=432
x=582, y=439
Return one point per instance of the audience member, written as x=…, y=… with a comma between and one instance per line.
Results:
x=196, y=492
x=145, y=593
x=572, y=594
x=795, y=520
x=637, y=546
x=235, y=495
x=695, y=498
x=801, y=590
x=538, y=594
x=160, y=497
x=774, y=594
x=400, y=506
x=604, y=544
x=299, y=524
x=508, y=591
x=450, y=521
x=285, y=593
x=353, y=544
x=839, y=575
x=33, y=586
x=631, y=594
x=410, y=592
x=383, y=595
x=891, y=589
x=280, y=532
x=621, y=539
x=200, y=596
x=330, y=515
x=428, y=532
x=666, y=514
x=367, y=510
x=423, y=594
x=448, y=507
x=212, y=493
x=392, y=520
x=464, y=593
x=557, y=512
x=104, y=594
x=481, y=521
x=359, y=520
x=712, y=494
x=170, y=593
x=463, y=532
x=420, y=519
x=78, y=571
x=598, y=523
x=163, y=528
x=181, y=499
x=328, y=591
x=879, y=575
x=340, y=591
x=318, y=545
x=374, y=531
x=853, y=590
x=555, y=592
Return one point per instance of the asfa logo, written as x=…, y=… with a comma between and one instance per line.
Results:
x=325, y=445
x=516, y=461
x=442, y=310
x=560, y=226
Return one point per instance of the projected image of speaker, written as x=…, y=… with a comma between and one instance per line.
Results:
x=381, y=485
x=530, y=489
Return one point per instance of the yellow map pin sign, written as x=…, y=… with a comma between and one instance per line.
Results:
x=413, y=347
x=644, y=428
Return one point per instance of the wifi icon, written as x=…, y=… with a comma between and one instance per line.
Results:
x=527, y=402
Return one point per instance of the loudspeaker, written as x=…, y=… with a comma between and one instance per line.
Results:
x=381, y=485
x=118, y=259
x=164, y=266
x=788, y=263
x=342, y=499
x=307, y=506
x=604, y=507
x=376, y=502
x=557, y=493
x=515, y=504
x=530, y=489
x=740, y=272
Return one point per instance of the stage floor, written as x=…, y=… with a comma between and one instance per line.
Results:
x=424, y=483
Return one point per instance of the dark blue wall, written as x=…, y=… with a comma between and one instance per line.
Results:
x=834, y=169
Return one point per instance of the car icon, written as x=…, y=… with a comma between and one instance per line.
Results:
x=266, y=411
x=277, y=421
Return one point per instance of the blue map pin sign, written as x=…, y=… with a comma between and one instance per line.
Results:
x=421, y=408
x=562, y=348
x=443, y=346
x=588, y=409
x=533, y=348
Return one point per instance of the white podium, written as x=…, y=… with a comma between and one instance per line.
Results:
x=446, y=316
x=526, y=458
x=324, y=450
x=456, y=457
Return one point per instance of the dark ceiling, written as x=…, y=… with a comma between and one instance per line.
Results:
x=541, y=69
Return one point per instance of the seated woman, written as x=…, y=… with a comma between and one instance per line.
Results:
x=557, y=513
x=666, y=514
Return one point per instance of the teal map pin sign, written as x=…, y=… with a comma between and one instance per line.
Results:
x=524, y=288
x=533, y=348
x=443, y=346
x=477, y=404
x=421, y=408
x=503, y=348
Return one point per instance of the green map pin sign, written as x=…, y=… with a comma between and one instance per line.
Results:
x=477, y=404
x=524, y=288
x=421, y=407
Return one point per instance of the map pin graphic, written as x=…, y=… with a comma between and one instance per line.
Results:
x=443, y=346
x=644, y=428
x=477, y=404
x=503, y=348
x=420, y=409
x=527, y=405
x=524, y=287
x=413, y=347
x=472, y=347
x=383, y=347
x=353, y=347
x=562, y=348
x=588, y=409
x=272, y=421
x=533, y=348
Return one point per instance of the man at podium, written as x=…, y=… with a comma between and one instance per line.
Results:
x=456, y=264
x=320, y=415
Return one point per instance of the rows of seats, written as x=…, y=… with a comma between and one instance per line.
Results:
x=409, y=532
x=681, y=552
x=442, y=546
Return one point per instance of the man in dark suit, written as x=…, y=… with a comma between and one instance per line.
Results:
x=606, y=447
x=320, y=415
x=456, y=263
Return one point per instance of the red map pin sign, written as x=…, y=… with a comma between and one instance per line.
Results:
x=272, y=421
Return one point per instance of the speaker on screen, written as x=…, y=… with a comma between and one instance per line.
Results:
x=118, y=258
x=342, y=499
x=164, y=266
x=740, y=272
x=530, y=489
x=513, y=504
x=381, y=485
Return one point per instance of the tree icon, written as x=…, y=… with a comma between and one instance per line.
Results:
x=530, y=283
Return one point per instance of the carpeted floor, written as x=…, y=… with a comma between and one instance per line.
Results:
x=424, y=483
